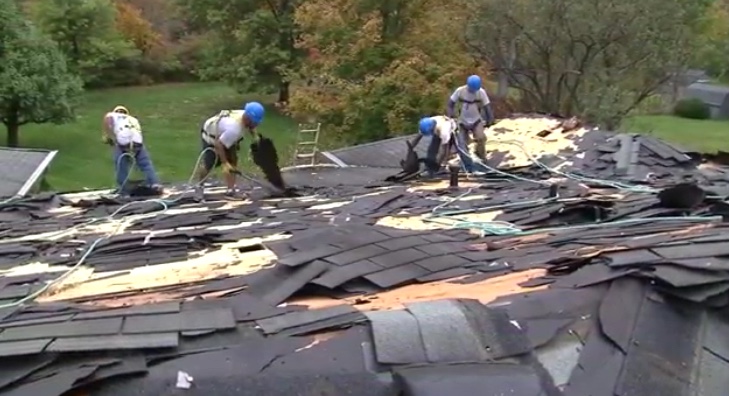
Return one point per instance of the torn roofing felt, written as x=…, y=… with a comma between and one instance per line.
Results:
x=362, y=287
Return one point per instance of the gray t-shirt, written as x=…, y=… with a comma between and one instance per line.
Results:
x=471, y=104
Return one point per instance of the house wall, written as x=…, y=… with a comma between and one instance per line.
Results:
x=715, y=112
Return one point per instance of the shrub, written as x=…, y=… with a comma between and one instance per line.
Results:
x=692, y=108
x=654, y=104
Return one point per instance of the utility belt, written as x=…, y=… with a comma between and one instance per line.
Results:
x=210, y=139
x=469, y=127
x=131, y=147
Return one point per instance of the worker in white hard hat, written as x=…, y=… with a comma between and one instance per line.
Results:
x=124, y=133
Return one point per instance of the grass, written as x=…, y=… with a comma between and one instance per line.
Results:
x=171, y=116
x=704, y=135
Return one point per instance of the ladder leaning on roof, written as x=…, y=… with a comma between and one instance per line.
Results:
x=307, y=144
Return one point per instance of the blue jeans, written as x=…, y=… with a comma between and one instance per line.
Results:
x=463, y=153
x=123, y=165
x=459, y=143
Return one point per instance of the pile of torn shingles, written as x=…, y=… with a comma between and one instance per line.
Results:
x=619, y=308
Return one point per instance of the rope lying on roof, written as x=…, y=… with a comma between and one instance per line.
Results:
x=164, y=205
x=503, y=228
x=568, y=175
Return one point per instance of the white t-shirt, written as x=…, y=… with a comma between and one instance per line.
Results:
x=227, y=126
x=471, y=103
x=444, y=128
x=126, y=128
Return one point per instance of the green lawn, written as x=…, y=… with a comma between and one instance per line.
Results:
x=171, y=116
x=705, y=135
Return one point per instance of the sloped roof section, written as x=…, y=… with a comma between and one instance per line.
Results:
x=22, y=168
x=363, y=287
x=518, y=142
x=384, y=153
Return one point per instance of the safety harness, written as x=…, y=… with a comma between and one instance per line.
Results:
x=465, y=102
x=210, y=138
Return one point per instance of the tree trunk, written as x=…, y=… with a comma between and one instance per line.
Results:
x=283, y=92
x=12, y=129
x=502, y=90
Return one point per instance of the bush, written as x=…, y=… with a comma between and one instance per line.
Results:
x=653, y=105
x=692, y=108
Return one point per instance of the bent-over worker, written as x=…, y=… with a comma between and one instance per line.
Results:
x=441, y=130
x=124, y=133
x=221, y=136
x=475, y=114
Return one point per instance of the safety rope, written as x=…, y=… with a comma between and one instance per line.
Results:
x=164, y=204
x=568, y=175
x=453, y=220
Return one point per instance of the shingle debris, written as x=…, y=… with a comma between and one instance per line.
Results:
x=632, y=298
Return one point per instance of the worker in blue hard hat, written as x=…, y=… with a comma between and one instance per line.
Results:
x=220, y=137
x=440, y=129
x=475, y=114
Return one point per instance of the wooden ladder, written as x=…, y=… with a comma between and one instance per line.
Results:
x=307, y=144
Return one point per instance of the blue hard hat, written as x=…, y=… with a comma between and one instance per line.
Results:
x=473, y=83
x=254, y=112
x=426, y=126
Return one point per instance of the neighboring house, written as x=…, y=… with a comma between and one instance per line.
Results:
x=675, y=87
x=22, y=170
x=714, y=95
x=691, y=76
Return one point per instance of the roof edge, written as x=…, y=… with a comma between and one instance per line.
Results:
x=37, y=173
x=336, y=160
x=374, y=143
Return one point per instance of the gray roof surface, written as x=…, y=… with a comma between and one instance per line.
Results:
x=384, y=153
x=18, y=166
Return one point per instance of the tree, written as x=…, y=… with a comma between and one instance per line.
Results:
x=86, y=32
x=252, y=42
x=594, y=58
x=164, y=16
x=35, y=84
x=131, y=25
x=376, y=66
x=713, y=45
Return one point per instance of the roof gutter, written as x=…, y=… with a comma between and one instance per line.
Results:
x=37, y=173
x=331, y=157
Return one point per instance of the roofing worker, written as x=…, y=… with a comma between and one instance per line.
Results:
x=124, y=132
x=475, y=115
x=441, y=130
x=221, y=135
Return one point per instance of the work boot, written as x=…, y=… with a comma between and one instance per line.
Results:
x=235, y=193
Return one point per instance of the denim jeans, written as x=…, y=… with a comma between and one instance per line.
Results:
x=142, y=160
x=461, y=150
x=464, y=154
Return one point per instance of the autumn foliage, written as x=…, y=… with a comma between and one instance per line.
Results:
x=376, y=66
x=369, y=69
x=132, y=25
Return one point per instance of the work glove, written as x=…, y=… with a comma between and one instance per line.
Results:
x=228, y=168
